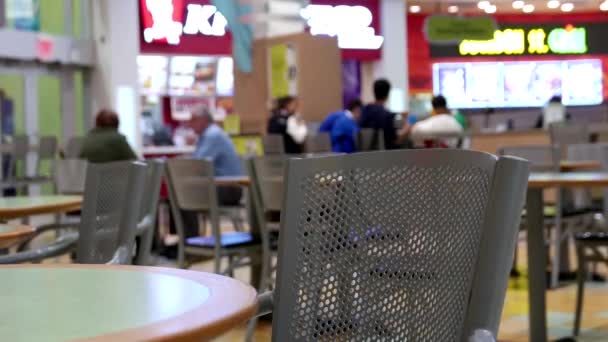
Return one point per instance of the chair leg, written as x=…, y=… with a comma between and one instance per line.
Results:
x=555, y=260
x=181, y=255
x=580, y=289
x=145, y=247
x=251, y=326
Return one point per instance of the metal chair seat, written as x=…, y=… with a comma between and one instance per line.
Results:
x=227, y=240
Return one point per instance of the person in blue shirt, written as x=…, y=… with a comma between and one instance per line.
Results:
x=342, y=127
x=214, y=145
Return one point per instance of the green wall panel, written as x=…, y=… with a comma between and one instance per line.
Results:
x=49, y=113
x=51, y=16
x=76, y=18
x=13, y=87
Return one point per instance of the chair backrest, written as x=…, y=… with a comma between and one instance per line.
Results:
x=111, y=204
x=273, y=144
x=47, y=153
x=542, y=158
x=267, y=175
x=70, y=175
x=191, y=185
x=582, y=198
x=319, y=143
x=568, y=133
x=151, y=192
x=18, y=163
x=402, y=246
x=370, y=139
x=73, y=147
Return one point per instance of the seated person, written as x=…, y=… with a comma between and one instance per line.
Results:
x=342, y=127
x=440, y=122
x=214, y=145
x=104, y=143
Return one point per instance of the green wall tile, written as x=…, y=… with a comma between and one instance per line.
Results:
x=51, y=16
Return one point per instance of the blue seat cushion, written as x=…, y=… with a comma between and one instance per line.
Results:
x=233, y=239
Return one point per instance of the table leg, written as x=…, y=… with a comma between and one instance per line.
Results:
x=537, y=259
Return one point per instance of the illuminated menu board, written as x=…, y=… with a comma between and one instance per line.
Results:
x=519, y=84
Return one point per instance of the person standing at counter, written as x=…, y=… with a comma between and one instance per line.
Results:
x=104, y=144
x=553, y=112
x=287, y=122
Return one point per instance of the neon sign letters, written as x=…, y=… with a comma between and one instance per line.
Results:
x=351, y=24
x=203, y=19
x=568, y=40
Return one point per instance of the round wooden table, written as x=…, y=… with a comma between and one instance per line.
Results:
x=11, y=234
x=23, y=206
x=119, y=303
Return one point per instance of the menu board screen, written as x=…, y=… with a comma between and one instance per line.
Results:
x=519, y=84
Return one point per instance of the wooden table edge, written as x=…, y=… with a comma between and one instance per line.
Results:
x=10, y=214
x=188, y=326
x=11, y=238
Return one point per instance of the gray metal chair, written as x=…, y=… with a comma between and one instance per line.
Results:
x=73, y=147
x=400, y=245
x=70, y=176
x=370, y=139
x=149, y=209
x=192, y=188
x=17, y=165
x=273, y=144
x=110, y=212
x=319, y=143
x=568, y=133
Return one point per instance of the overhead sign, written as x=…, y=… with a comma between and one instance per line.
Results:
x=352, y=25
x=568, y=40
x=445, y=29
x=165, y=21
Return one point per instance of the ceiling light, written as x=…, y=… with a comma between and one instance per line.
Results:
x=529, y=8
x=415, y=9
x=567, y=7
x=553, y=4
x=604, y=6
x=519, y=4
x=483, y=4
x=454, y=8
x=490, y=9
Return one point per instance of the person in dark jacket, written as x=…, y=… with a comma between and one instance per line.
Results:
x=104, y=143
x=376, y=116
x=284, y=121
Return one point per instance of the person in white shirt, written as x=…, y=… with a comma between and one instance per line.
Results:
x=554, y=112
x=441, y=122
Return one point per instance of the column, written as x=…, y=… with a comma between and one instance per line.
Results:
x=394, y=64
x=114, y=78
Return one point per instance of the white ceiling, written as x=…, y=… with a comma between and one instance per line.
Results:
x=503, y=6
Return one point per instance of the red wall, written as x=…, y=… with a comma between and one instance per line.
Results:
x=420, y=60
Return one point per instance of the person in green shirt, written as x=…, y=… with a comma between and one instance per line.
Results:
x=104, y=144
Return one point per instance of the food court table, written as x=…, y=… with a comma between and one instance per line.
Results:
x=237, y=181
x=23, y=206
x=119, y=303
x=537, y=251
x=11, y=234
x=580, y=165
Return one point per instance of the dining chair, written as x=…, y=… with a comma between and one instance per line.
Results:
x=399, y=245
x=17, y=164
x=192, y=188
x=563, y=134
x=70, y=175
x=318, y=143
x=73, y=147
x=149, y=209
x=370, y=139
x=273, y=144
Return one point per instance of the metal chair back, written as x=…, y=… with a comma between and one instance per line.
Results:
x=370, y=139
x=567, y=133
x=149, y=208
x=73, y=147
x=319, y=143
x=273, y=144
x=70, y=175
x=588, y=152
x=191, y=184
x=18, y=162
x=112, y=200
x=47, y=153
x=400, y=246
x=542, y=158
x=267, y=176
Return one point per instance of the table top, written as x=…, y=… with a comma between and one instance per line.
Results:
x=568, y=180
x=21, y=206
x=11, y=234
x=119, y=303
x=232, y=181
x=580, y=165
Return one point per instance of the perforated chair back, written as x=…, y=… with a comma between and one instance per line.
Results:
x=318, y=143
x=191, y=184
x=73, y=148
x=273, y=144
x=151, y=191
x=588, y=152
x=267, y=176
x=567, y=133
x=370, y=139
x=70, y=175
x=47, y=153
x=396, y=246
x=18, y=163
x=542, y=158
x=112, y=200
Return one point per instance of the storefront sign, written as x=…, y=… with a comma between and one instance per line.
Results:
x=164, y=21
x=442, y=28
x=569, y=40
x=350, y=24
